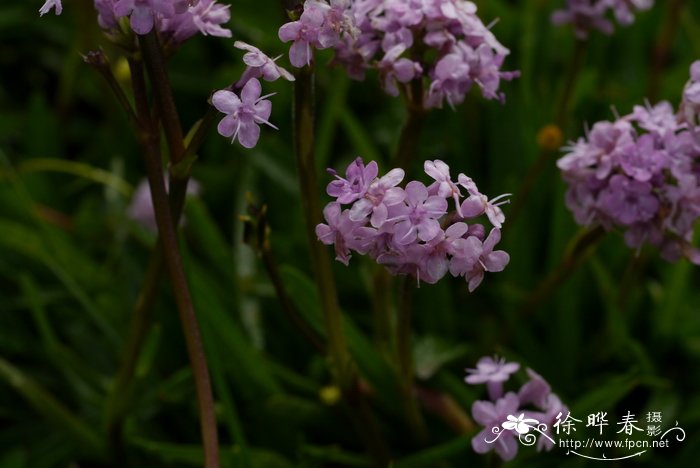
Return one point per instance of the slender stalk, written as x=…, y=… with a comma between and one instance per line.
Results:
x=141, y=319
x=157, y=72
x=571, y=78
x=98, y=60
x=545, y=155
x=149, y=140
x=663, y=46
x=404, y=352
x=341, y=364
x=381, y=307
x=582, y=247
x=412, y=126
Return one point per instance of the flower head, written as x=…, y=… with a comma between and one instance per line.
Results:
x=408, y=229
x=639, y=174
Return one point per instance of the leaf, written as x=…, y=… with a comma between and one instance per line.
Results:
x=371, y=363
x=49, y=407
x=78, y=169
x=436, y=455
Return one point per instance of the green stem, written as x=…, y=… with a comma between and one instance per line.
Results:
x=157, y=72
x=341, y=362
x=663, y=46
x=149, y=140
x=381, y=307
x=338, y=354
x=409, y=138
x=582, y=247
x=404, y=352
x=545, y=155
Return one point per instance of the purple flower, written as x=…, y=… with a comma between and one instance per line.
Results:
x=419, y=218
x=492, y=416
x=640, y=174
x=443, y=185
x=584, y=16
x=259, y=65
x=643, y=160
x=105, y=14
x=244, y=114
x=48, y=4
x=206, y=17
x=551, y=409
x=535, y=391
x=402, y=228
x=336, y=231
x=690, y=106
x=587, y=15
x=142, y=13
x=358, y=178
x=659, y=119
x=444, y=42
x=394, y=69
x=493, y=372
x=628, y=201
x=381, y=194
x=304, y=33
x=477, y=258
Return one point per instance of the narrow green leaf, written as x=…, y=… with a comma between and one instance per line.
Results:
x=49, y=407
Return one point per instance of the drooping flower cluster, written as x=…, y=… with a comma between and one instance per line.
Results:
x=440, y=42
x=587, y=15
x=409, y=230
x=177, y=20
x=506, y=417
x=641, y=174
x=242, y=103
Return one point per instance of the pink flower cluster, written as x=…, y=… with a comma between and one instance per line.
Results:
x=442, y=42
x=533, y=405
x=176, y=19
x=587, y=15
x=641, y=174
x=409, y=230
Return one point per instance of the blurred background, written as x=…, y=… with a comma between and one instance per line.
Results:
x=621, y=333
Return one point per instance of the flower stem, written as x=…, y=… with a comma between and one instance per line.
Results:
x=561, y=118
x=412, y=126
x=338, y=354
x=404, y=352
x=341, y=364
x=150, y=142
x=581, y=248
x=663, y=46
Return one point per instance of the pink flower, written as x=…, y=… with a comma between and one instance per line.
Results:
x=48, y=4
x=244, y=114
